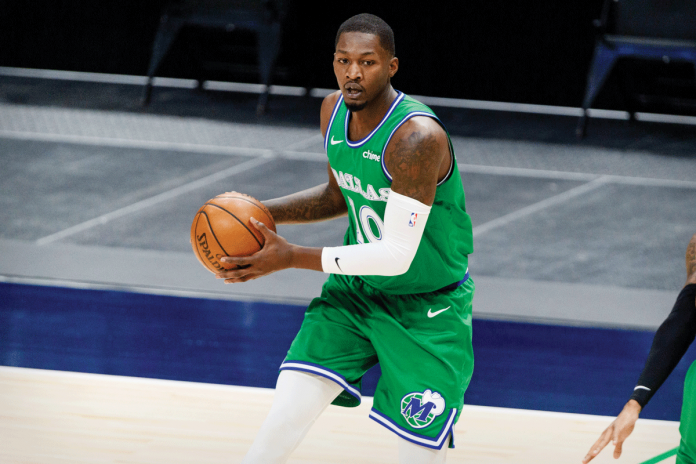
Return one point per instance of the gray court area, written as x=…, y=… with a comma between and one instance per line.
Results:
x=590, y=234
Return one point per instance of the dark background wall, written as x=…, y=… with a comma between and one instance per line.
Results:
x=531, y=51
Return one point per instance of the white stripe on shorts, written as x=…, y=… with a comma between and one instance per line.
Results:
x=324, y=372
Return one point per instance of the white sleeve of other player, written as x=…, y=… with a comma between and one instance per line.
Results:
x=404, y=223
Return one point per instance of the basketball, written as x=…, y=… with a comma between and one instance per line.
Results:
x=222, y=227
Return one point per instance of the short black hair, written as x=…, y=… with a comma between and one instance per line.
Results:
x=369, y=24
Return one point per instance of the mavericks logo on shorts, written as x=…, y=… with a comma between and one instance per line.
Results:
x=420, y=409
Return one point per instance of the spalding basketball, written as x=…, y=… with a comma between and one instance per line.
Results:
x=222, y=227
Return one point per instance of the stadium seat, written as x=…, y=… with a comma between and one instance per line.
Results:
x=643, y=29
x=264, y=17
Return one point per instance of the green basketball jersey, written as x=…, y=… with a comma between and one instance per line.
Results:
x=359, y=169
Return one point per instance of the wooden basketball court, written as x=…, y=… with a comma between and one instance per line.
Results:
x=52, y=417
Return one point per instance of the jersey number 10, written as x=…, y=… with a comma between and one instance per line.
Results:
x=367, y=213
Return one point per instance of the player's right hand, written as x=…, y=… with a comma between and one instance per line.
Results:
x=617, y=432
x=275, y=255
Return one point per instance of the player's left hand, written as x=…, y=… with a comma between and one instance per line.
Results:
x=275, y=255
x=617, y=432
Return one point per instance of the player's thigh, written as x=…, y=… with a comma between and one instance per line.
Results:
x=425, y=352
x=332, y=343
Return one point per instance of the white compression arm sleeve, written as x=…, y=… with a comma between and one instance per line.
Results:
x=404, y=223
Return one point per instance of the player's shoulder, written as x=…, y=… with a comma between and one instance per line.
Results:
x=419, y=119
x=418, y=128
x=327, y=106
x=330, y=100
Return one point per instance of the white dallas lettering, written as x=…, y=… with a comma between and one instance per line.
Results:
x=371, y=194
x=349, y=182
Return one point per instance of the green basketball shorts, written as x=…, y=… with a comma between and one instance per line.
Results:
x=687, y=447
x=422, y=342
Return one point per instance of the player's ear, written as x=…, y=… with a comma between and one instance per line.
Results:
x=393, y=66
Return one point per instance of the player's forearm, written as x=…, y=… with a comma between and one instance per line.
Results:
x=315, y=204
x=672, y=339
x=306, y=258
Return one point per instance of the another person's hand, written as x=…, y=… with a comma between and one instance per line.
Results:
x=617, y=431
x=275, y=255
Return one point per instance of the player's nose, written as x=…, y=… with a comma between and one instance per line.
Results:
x=353, y=72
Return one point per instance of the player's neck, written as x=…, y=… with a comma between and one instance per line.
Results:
x=364, y=121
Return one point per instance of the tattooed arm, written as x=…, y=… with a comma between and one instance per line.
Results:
x=417, y=158
x=315, y=204
x=318, y=203
x=691, y=261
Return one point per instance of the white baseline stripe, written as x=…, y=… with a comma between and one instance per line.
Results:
x=498, y=106
x=254, y=88
x=103, y=219
x=543, y=204
x=73, y=76
x=668, y=118
x=321, y=93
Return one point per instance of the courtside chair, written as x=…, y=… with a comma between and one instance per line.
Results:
x=264, y=17
x=643, y=29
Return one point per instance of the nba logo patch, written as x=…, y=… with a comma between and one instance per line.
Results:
x=420, y=409
x=412, y=221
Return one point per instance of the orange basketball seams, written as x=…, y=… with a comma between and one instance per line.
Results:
x=222, y=227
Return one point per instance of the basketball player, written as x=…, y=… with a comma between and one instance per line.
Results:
x=671, y=341
x=399, y=291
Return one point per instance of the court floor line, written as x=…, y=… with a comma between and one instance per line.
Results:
x=541, y=205
x=320, y=93
x=148, y=202
x=290, y=152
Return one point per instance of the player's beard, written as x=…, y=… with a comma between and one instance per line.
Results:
x=352, y=107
